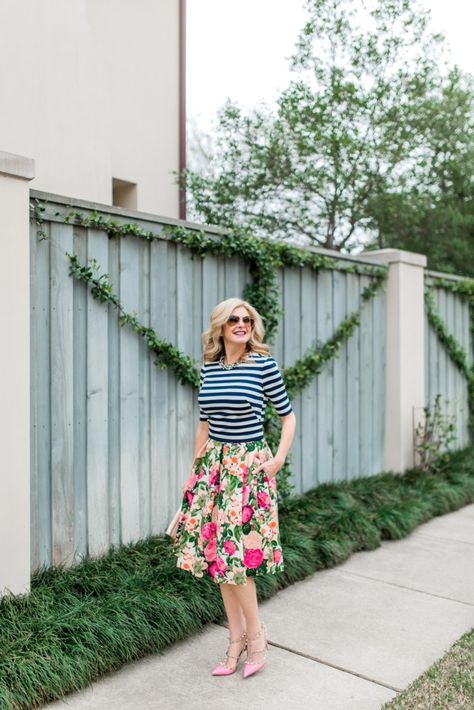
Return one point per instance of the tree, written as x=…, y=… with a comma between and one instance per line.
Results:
x=352, y=131
x=434, y=212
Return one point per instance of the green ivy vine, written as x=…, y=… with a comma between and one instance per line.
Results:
x=464, y=288
x=296, y=377
x=167, y=354
x=264, y=257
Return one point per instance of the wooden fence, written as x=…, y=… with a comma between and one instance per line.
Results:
x=112, y=435
x=441, y=374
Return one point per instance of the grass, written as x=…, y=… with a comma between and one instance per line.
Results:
x=447, y=685
x=79, y=623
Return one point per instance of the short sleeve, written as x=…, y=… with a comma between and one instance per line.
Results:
x=274, y=388
x=202, y=415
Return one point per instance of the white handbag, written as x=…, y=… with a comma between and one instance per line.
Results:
x=173, y=526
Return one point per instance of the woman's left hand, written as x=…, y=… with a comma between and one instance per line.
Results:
x=271, y=467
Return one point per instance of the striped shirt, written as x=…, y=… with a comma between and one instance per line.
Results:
x=233, y=401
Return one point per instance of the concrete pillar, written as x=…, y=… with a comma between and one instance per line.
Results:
x=405, y=352
x=15, y=172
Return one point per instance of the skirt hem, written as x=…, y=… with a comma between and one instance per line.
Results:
x=219, y=580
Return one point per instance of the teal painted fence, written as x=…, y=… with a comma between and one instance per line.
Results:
x=112, y=435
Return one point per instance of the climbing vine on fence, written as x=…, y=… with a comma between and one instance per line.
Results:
x=296, y=377
x=264, y=257
x=464, y=288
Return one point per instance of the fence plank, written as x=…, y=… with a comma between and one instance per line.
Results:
x=144, y=390
x=325, y=403
x=308, y=423
x=62, y=396
x=113, y=369
x=339, y=421
x=161, y=276
x=40, y=401
x=129, y=386
x=292, y=349
x=97, y=405
x=351, y=367
x=366, y=413
x=461, y=390
x=184, y=395
x=80, y=343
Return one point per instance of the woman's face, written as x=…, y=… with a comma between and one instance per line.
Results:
x=237, y=331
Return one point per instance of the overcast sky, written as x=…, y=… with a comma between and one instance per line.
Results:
x=239, y=48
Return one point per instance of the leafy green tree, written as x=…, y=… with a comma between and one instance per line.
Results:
x=351, y=135
x=434, y=212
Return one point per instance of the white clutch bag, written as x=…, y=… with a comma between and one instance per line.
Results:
x=173, y=526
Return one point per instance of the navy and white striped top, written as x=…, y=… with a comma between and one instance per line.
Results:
x=233, y=401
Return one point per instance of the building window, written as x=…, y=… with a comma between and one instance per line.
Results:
x=124, y=194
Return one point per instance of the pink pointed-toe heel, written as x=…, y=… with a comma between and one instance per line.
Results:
x=222, y=668
x=251, y=667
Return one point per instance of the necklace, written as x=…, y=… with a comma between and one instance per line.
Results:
x=227, y=366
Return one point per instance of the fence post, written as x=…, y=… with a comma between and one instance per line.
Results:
x=15, y=172
x=405, y=352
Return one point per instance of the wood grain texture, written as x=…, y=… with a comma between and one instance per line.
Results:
x=442, y=376
x=62, y=397
x=112, y=435
x=97, y=409
x=40, y=400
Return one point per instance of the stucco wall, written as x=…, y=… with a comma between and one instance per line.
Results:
x=90, y=90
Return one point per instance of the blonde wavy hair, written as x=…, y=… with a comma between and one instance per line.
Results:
x=212, y=338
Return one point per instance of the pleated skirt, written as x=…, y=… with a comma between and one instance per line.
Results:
x=228, y=526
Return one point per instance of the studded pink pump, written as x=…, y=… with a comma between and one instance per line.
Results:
x=222, y=668
x=251, y=667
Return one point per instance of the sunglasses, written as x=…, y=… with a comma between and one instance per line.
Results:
x=233, y=320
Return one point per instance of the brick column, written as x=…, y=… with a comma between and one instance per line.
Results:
x=15, y=172
x=405, y=352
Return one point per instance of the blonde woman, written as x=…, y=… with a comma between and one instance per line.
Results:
x=228, y=525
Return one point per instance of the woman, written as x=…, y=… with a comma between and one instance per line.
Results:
x=228, y=527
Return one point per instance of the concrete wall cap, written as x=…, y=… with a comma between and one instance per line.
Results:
x=17, y=165
x=390, y=256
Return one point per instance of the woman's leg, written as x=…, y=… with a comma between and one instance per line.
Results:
x=236, y=619
x=247, y=596
x=233, y=610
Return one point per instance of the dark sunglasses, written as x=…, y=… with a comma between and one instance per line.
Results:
x=233, y=320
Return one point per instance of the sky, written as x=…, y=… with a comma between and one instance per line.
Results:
x=239, y=48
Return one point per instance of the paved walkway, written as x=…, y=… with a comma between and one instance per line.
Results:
x=348, y=638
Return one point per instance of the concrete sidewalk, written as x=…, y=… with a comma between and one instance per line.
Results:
x=348, y=638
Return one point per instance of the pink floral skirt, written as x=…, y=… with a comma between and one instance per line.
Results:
x=229, y=516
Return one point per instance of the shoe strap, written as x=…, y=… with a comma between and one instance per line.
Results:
x=258, y=634
x=236, y=657
x=260, y=650
x=241, y=638
x=229, y=655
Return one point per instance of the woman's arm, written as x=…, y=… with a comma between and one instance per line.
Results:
x=202, y=434
x=288, y=427
x=200, y=438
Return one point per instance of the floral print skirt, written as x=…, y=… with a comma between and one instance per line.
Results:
x=229, y=517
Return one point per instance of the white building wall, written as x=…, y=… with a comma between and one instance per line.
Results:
x=90, y=90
